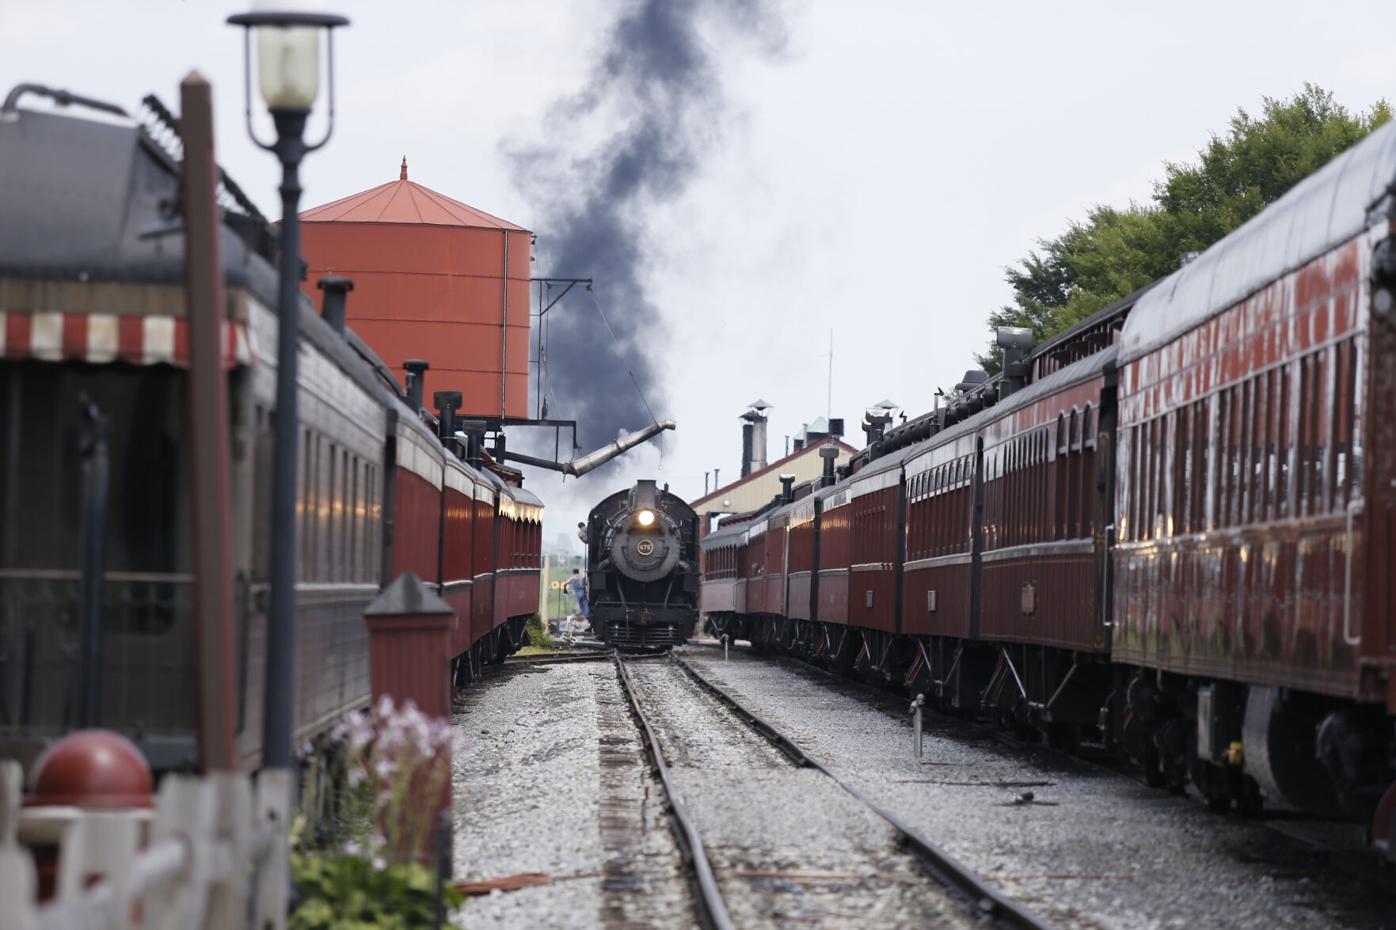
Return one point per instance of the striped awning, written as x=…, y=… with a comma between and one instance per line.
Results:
x=53, y=336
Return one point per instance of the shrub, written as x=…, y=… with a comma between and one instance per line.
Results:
x=538, y=634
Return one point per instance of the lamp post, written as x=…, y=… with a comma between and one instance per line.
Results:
x=288, y=76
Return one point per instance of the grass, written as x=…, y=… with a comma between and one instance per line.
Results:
x=548, y=650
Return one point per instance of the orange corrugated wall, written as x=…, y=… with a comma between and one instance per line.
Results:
x=435, y=292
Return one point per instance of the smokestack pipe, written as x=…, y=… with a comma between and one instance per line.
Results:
x=446, y=404
x=1016, y=342
x=787, y=484
x=336, y=288
x=746, y=448
x=594, y=460
x=828, y=453
x=416, y=382
x=758, y=443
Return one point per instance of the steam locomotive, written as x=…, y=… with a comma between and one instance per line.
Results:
x=642, y=568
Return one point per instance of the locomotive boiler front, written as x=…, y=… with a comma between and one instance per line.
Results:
x=643, y=541
x=642, y=568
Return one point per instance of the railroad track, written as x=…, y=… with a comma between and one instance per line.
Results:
x=967, y=897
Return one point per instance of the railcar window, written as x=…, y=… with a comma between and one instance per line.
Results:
x=1220, y=476
x=1245, y=426
x=355, y=517
x=1071, y=499
x=40, y=466
x=1182, y=468
x=1344, y=416
x=1146, y=477
x=331, y=572
x=147, y=620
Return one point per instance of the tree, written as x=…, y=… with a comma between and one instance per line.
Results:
x=1114, y=252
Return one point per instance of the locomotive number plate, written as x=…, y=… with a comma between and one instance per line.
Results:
x=644, y=547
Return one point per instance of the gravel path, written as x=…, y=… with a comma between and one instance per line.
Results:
x=789, y=847
x=554, y=782
x=1092, y=850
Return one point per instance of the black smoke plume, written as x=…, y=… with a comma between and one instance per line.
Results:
x=656, y=81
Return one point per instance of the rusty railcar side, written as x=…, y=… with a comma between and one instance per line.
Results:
x=1245, y=448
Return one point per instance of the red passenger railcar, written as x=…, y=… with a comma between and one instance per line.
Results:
x=1255, y=486
x=940, y=492
x=800, y=585
x=833, y=534
x=875, y=511
x=774, y=543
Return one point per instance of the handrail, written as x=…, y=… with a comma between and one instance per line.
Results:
x=1354, y=507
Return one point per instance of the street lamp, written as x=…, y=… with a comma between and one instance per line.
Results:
x=288, y=76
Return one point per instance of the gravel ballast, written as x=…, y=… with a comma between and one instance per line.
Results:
x=789, y=847
x=553, y=781
x=1091, y=848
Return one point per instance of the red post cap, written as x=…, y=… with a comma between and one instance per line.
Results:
x=92, y=768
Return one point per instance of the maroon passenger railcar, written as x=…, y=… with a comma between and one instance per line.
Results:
x=1256, y=480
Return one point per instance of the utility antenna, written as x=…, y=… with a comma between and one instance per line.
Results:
x=829, y=397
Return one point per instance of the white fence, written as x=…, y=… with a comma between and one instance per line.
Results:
x=212, y=854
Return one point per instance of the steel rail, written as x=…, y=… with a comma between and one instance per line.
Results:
x=711, y=905
x=949, y=870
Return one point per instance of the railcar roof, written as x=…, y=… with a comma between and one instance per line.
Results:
x=525, y=496
x=88, y=199
x=725, y=532
x=1325, y=209
x=1081, y=370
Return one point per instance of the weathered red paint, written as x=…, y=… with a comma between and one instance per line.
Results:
x=1246, y=549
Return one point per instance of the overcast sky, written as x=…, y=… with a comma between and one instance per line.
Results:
x=872, y=177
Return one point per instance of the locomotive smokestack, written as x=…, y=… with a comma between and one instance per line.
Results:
x=787, y=484
x=644, y=496
x=336, y=288
x=416, y=381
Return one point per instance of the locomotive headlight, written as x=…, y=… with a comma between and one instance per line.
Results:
x=645, y=517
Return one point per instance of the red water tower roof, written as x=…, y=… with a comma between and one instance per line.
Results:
x=404, y=201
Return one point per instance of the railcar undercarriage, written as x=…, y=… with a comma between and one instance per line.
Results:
x=1237, y=745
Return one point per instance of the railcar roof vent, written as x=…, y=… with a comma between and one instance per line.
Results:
x=1016, y=342
x=336, y=288
x=416, y=382
x=974, y=378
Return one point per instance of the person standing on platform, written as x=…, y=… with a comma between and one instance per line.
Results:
x=577, y=586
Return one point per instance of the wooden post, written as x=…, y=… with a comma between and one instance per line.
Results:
x=208, y=419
